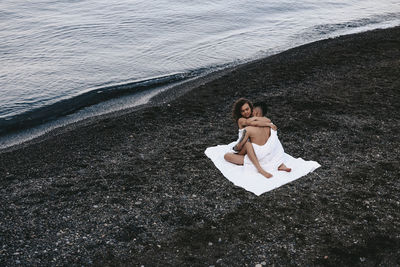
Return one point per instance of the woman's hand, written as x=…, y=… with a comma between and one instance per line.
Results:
x=257, y=121
x=268, y=120
x=262, y=119
x=273, y=126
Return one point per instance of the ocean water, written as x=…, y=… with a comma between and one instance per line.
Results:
x=72, y=59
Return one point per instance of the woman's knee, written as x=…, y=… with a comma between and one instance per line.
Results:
x=234, y=158
x=228, y=156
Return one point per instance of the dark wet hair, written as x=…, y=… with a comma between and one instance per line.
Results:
x=237, y=108
x=263, y=106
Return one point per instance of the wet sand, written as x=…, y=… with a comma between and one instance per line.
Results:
x=135, y=188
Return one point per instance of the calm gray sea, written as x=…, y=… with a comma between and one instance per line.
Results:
x=57, y=50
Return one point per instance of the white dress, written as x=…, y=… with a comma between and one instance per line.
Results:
x=240, y=134
x=270, y=155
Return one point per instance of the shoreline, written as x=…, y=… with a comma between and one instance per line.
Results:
x=161, y=98
x=136, y=188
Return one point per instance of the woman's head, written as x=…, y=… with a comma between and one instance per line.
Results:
x=242, y=108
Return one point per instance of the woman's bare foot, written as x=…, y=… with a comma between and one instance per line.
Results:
x=266, y=174
x=283, y=167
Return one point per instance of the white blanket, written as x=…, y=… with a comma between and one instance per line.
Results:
x=247, y=176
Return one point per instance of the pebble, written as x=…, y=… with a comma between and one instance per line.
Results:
x=138, y=222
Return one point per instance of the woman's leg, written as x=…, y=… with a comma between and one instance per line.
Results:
x=234, y=158
x=283, y=167
x=239, y=158
x=253, y=158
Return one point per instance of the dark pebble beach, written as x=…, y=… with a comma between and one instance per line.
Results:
x=135, y=187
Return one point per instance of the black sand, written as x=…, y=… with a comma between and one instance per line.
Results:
x=137, y=188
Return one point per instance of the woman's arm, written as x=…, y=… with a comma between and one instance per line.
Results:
x=261, y=122
x=243, y=139
x=256, y=121
x=242, y=122
x=263, y=119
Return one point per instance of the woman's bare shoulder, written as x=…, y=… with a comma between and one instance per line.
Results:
x=241, y=123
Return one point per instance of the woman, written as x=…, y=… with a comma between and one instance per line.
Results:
x=257, y=129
